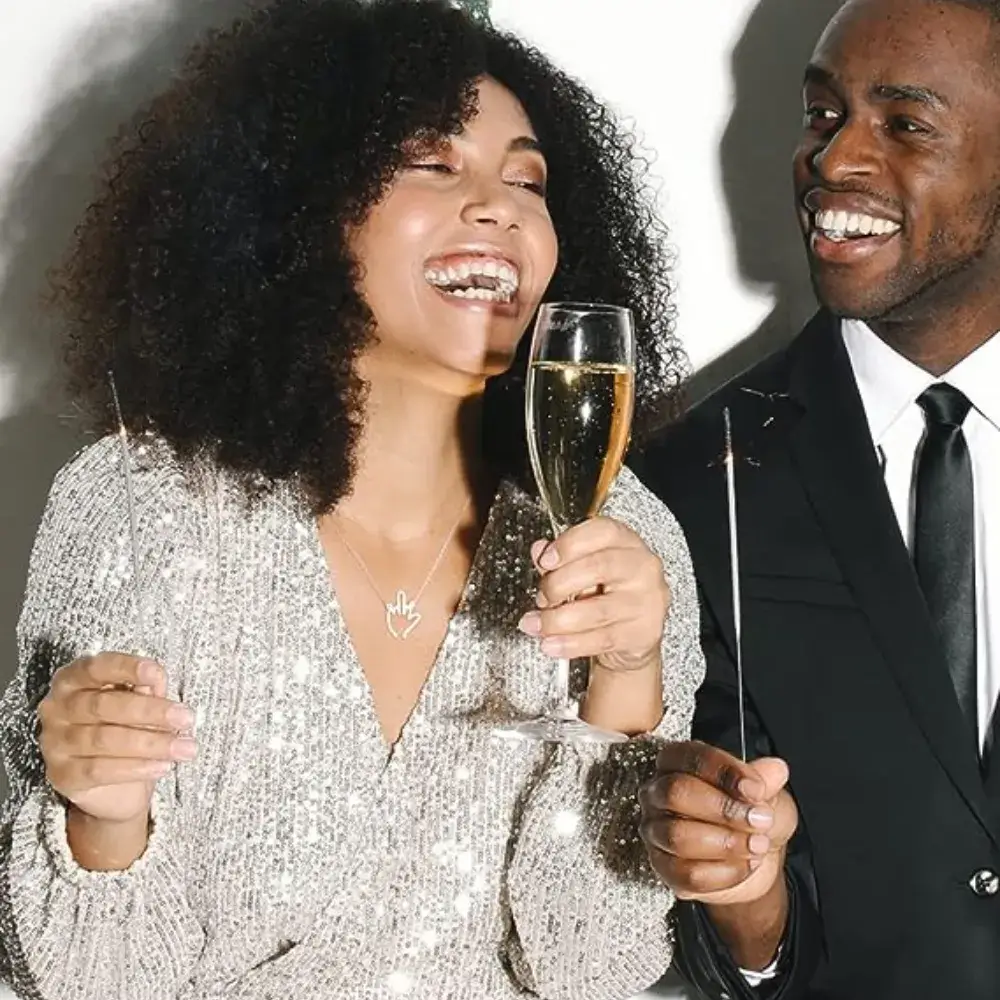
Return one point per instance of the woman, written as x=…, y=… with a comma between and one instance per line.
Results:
x=310, y=269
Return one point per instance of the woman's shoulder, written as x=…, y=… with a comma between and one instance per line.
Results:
x=98, y=474
x=111, y=480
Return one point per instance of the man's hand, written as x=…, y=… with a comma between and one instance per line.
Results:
x=717, y=831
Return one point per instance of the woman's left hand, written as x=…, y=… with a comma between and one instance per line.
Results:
x=602, y=594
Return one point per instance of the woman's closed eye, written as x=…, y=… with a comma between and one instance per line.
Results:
x=535, y=187
x=432, y=166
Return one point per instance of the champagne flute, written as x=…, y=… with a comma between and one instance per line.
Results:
x=580, y=398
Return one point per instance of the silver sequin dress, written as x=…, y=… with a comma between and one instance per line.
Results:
x=297, y=858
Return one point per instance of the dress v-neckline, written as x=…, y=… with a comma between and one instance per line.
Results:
x=389, y=749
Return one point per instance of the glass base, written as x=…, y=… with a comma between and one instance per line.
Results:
x=559, y=729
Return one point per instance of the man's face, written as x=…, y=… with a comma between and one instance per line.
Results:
x=897, y=175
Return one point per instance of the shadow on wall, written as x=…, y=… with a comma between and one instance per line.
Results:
x=135, y=54
x=756, y=153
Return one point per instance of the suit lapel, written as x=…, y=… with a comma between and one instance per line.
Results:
x=832, y=448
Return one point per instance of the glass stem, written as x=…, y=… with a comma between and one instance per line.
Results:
x=565, y=707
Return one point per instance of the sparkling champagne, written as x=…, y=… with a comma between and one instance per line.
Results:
x=579, y=419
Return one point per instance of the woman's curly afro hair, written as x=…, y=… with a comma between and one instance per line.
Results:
x=212, y=273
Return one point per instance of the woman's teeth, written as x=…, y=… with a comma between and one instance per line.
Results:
x=487, y=279
x=852, y=225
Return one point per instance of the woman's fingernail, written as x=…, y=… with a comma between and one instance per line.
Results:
x=537, y=548
x=751, y=788
x=759, y=844
x=755, y=863
x=549, y=558
x=552, y=646
x=531, y=623
x=148, y=672
x=541, y=600
x=183, y=749
x=760, y=818
x=179, y=717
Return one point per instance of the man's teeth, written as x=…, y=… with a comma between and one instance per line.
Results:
x=841, y=225
x=488, y=279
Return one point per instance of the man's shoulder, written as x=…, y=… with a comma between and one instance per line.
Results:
x=697, y=440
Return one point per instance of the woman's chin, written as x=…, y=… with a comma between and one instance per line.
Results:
x=492, y=360
x=498, y=362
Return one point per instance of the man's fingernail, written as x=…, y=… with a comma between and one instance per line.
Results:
x=759, y=844
x=760, y=818
x=549, y=558
x=148, y=672
x=751, y=788
x=531, y=623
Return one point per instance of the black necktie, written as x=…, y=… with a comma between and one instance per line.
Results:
x=944, y=539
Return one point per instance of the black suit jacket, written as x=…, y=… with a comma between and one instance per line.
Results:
x=845, y=681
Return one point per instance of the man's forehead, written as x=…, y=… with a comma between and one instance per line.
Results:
x=939, y=45
x=916, y=9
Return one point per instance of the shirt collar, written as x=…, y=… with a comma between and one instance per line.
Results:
x=889, y=383
x=978, y=376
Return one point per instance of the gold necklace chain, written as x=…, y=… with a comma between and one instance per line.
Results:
x=401, y=614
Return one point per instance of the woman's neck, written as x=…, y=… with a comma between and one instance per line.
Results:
x=419, y=460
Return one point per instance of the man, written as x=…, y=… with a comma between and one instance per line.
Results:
x=868, y=472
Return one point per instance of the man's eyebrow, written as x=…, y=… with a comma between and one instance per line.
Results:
x=909, y=92
x=821, y=76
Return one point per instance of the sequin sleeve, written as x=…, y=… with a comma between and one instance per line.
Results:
x=590, y=915
x=65, y=931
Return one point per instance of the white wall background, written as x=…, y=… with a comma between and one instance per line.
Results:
x=711, y=86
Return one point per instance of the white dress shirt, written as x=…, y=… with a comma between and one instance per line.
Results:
x=889, y=386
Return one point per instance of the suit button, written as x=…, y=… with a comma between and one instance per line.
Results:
x=985, y=883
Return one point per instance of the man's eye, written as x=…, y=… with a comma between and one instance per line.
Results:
x=908, y=125
x=817, y=114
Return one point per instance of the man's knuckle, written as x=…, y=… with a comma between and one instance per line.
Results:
x=730, y=778
x=730, y=810
x=692, y=757
x=676, y=793
x=697, y=879
x=672, y=837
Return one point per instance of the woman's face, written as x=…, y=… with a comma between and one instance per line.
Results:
x=456, y=257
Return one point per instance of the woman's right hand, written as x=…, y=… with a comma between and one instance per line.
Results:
x=108, y=733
